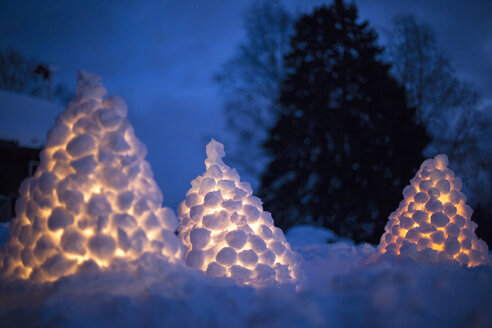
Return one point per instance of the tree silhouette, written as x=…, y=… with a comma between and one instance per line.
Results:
x=250, y=83
x=346, y=143
x=451, y=110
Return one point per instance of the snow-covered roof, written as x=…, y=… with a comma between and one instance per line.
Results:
x=26, y=119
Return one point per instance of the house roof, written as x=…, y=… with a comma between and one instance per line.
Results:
x=26, y=119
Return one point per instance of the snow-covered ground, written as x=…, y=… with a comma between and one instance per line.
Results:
x=344, y=286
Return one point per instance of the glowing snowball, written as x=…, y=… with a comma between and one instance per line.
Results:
x=227, y=233
x=93, y=197
x=433, y=222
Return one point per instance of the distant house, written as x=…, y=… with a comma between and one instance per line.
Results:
x=24, y=122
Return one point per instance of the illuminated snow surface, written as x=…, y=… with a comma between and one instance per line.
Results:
x=227, y=233
x=342, y=289
x=344, y=285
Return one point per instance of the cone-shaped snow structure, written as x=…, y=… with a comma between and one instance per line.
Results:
x=227, y=233
x=433, y=222
x=92, y=199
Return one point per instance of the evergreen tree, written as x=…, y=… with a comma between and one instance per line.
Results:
x=345, y=143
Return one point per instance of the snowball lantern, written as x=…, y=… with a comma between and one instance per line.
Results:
x=227, y=233
x=433, y=222
x=92, y=199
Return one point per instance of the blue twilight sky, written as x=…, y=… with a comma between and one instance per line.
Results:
x=160, y=56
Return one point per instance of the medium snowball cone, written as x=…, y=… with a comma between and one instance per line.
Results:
x=226, y=232
x=433, y=222
x=92, y=199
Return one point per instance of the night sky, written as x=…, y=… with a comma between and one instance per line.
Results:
x=160, y=56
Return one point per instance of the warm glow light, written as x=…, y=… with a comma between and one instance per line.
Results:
x=433, y=222
x=227, y=233
x=92, y=198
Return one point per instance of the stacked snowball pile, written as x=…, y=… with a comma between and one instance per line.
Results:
x=433, y=222
x=227, y=233
x=92, y=199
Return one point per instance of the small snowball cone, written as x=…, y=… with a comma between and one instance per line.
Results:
x=92, y=200
x=226, y=233
x=433, y=222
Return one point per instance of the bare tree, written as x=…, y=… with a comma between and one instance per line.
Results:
x=452, y=110
x=250, y=82
x=17, y=73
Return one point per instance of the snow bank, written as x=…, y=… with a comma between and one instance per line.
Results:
x=344, y=287
x=302, y=235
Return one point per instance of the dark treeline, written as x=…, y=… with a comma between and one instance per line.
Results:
x=334, y=125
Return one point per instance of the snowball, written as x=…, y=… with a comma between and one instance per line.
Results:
x=43, y=247
x=420, y=216
x=59, y=219
x=212, y=199
x=89, y=85
x=236, y=239
x=84, y=165
x=226, y=256
x=109, y=118
x=264, y=271
x=117, y=143
x=409, y=191
x=195, y=259
x=168, y=218
x=237, y=219
x=98, y=205
x=73, y=242
x=215, y=151
x=252, y=213
x=216, y=270
x=452, y=229
x=239, y=194
x=57, y=265
x=267, y=257
x=81, y=145
x=425, y=185
x=124, y=241
x=277, y=247
x=118, y=104
x=114, y=178
x=433, y=205
x=257, y=244
x=216, y=221
x=441, y=161
x=226, y=185
x=406, y=222
x=449, y=209
x=232, y=205
x=151, y=222
x=192, y=200
x=196, y=212
x=452, y=246
x=240, y=274
x=436, y=175
x=199, y=238
x=86, y=125
x=47, y=182
x=214, y=172
x=102, y=246
x=124, y=220
x=455, y=196
x=125, y=200
x=434, y=192
x=408, y=249
x=248, y=257
x=57, y=135
x=439, y=219
x=437, y=237
x=421, y=197
x=443, y=186
x=266, y=232
x=459, y=220
x=207, y=185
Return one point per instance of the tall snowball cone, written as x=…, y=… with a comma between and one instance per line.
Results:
x=433, y=222
x=92, y=200
x=226, y=232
